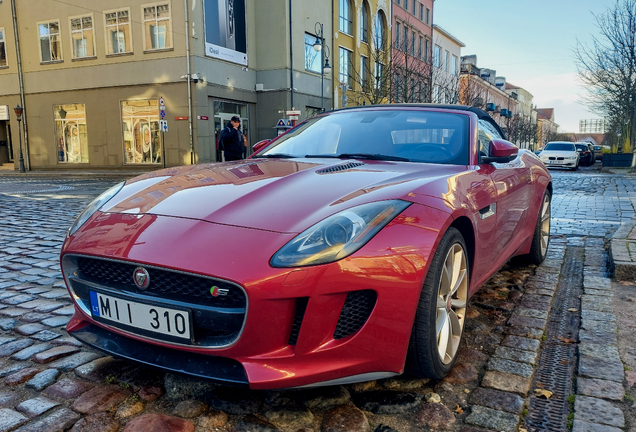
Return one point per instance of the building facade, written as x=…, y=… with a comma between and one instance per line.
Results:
x=412, y=53
x=547, y=126
x=479, y=87
x=361, y=47
x=97, y=81
x=446, y=67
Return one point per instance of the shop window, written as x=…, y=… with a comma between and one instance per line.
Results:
x=118, y=36
x=142, y=141
x=50, y=46
x=157, y=26
x=3, y=49
x=82, y=37
x=70, y=133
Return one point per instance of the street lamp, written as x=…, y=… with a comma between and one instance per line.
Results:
x=325, y=67
x=18, y=113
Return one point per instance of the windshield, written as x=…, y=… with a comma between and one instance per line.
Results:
x=582, y=147
x=560, y=146
x=407, y=135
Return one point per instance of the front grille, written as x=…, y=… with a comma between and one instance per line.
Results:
x=556, y=158
x=301, y=306
x=216, y=321
x=163, y=283
x=338, y=168
x=355, y=312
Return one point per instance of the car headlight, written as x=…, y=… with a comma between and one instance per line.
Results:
x=94, y=206
x=339, y=235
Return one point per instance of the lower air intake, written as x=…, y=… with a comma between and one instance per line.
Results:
x=355, y=312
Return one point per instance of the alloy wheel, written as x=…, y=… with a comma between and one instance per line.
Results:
x=451, y=303
x=545, y=224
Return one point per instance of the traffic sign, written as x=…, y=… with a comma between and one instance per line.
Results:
x=163, y=125
x=203, y=117
x=181, y=118
x=293, y=113
x=163, y=114
x=293, y=117
x=162, y=101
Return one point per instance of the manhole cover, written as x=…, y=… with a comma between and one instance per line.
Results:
x=32, y=188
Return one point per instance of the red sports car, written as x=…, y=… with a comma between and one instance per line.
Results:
x=345, y=250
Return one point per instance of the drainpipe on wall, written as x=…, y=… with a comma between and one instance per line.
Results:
x=188, y=71
x=21, y=81
x=291, y=56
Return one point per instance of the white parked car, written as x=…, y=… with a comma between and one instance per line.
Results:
x=560, y=154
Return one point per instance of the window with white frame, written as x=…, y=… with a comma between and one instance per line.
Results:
x=447, y=62
x=420, y=48
x=380, y=31
x=345, y=67
x=364, y=23
x=157, y=26
x=406, y=39
x=70, y=133
x=414, y=7
x=428, y=16
x=140, y=122
x=312, y=57
x=118, y=34
x=3, y=49
x=421, y=12
x=437, y=56
x=413, y=44
x=50, y=45
x=454, y=67
x=364, y=73
x=406, y=4
x=82, y=36
x=426, y=50
x=379, y=71
x=398, y=28
x=345, y=16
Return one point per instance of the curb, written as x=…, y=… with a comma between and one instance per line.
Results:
x=39, y=174
x=622, y=261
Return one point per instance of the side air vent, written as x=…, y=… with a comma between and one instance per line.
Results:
x=338, y=168
x=355, y=312
x=301, y=306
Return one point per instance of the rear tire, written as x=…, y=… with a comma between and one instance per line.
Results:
x=541, y=237
x=441, y=311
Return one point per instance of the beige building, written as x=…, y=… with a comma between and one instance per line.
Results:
x=447, y=51
x=97, y=78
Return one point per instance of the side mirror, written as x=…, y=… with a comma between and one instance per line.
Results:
x=501, y=151
x=260, y=145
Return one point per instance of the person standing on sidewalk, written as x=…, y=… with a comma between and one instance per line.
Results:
x=232, y=140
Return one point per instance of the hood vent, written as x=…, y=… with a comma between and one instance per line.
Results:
x=339, y=168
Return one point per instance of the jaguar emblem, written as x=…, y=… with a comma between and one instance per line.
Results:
x=141, y=278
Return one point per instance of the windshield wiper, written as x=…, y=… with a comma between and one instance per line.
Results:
x=367, y=156
x=276, y=156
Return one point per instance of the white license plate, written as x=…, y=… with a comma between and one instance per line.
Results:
x=556, y=162
x=165, y=321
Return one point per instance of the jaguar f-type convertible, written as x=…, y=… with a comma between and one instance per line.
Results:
x=344, y=250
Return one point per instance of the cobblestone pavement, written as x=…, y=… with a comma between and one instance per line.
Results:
x=48, y=382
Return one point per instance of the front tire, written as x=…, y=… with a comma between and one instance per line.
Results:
x=441, y=312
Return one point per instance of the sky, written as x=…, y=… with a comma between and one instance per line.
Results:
x=531, y=43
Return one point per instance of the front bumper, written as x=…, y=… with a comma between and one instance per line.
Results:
x=292, y=333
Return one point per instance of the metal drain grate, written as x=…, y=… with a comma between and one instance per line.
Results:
x=558, y=357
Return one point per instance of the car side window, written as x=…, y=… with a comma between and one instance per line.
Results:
x=486, y=134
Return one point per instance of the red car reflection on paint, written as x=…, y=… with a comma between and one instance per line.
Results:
x=345, y=250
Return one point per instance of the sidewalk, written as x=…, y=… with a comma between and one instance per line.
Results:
x=623, y=252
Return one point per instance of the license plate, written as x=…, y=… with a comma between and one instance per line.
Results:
x=156, y=319
x=555, y=162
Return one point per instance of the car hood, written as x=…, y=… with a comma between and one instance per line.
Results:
x=282, y=195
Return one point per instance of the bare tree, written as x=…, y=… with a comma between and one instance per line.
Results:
x=608, y=68
x=411, y=71
x=372, y=78
x=523, y=131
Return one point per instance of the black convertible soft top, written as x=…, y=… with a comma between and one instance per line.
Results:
x=481, y=114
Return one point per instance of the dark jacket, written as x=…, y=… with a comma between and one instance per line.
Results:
x=232, y=141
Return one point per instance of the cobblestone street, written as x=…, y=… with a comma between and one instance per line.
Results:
x=534, y=337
